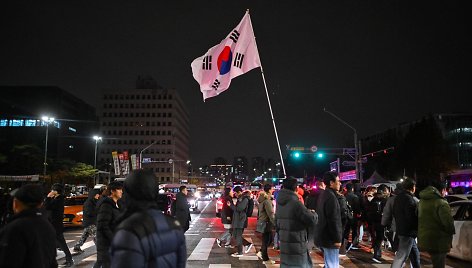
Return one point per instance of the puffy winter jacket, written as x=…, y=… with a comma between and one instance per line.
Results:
x=435, y=222
x=292, y=221
x=148, y=239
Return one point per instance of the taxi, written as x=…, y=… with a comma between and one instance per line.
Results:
x=73, y=210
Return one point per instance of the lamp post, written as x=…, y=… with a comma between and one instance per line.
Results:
x=47, y=120
x=356, y=148
x=141, y=153
x=97, y=139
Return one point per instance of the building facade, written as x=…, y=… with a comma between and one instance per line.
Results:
x=69, y=135
x=152, y=123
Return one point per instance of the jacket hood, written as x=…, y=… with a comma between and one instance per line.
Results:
x=262, y=197
x=430, y=192
x=286, y=196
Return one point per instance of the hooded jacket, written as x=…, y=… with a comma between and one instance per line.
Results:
x=435, y=222
x=265, y=207
x=292, y=221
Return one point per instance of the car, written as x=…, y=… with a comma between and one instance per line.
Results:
x=458, y=197
x=73, y=210
x=193, y=201
x=204, y=195
x=461, y=241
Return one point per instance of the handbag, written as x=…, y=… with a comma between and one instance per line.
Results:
x=261, y=226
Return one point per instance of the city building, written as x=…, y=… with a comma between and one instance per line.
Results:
x=152, y=123
x=68, y=135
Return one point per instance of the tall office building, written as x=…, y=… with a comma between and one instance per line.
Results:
x=151, y=122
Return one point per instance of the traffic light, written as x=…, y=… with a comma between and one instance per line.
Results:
x=274, y=179
x=296, y=155
x=319, y=155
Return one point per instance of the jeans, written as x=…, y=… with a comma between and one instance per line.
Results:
x=331, y=257
x=90, y=230
x=63, y=245
x=226, y=236
x=406, y=247
x=438, y=259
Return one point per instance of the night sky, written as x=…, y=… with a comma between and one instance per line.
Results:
x=373, y=63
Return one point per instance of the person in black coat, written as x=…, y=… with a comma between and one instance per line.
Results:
x=54, y=203
x=28, y=240
x=329, y=229
x=292, y=220
x=144, y=236
x=182, y=208
x=89, y=218
x=374, y=216
x=108, y=213
x=353, y=201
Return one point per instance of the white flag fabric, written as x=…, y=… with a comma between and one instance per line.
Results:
x=235, y=55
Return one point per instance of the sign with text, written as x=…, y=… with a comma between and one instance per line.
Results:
x=347, y=176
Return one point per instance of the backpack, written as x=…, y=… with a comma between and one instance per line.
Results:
x=250, y=207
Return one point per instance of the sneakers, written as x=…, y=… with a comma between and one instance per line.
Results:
x=377, y=259
x=78, y=250
x=236, y=255
x=229, y=246
x=248, y=248
x=218, y=242
x=68, y=263
x=259, y=254
x=268, y=262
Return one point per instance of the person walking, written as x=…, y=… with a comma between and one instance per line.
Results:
x=54, y=203
x=28, y=239
x=89, y=219
x=292, y=219
x=406, y=219
x=144, y=236
x=389, y=221
x=329, y=229
x=353, y=204
x=311, y=202
x=240, y=220
x=108, y=213
x=226, y=218
x=266, y=214
x=374, y=216
x=435, y=223
x=182, y=208
x=344, y=218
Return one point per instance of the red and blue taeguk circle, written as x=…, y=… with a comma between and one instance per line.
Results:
x=224, y=60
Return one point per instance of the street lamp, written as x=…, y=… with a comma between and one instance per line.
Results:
x=141, y=153
x=356, y=148
x=47, y=120
x=97, y=139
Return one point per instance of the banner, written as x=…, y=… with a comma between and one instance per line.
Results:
x=116, y=163
x=126, y=163
x=134, y=162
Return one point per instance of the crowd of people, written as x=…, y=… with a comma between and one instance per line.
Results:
x=130, y=231
x=335, y=219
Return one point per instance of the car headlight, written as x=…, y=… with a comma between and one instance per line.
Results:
x=80, y=213
x=197, y=195
x=192, y=202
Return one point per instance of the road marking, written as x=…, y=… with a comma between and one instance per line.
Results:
x=90, y=258
x=202, y=250
x=219, y=266
x=68, y=241
x=61, y=254
x=191, y=234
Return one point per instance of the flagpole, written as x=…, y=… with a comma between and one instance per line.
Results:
x=268, y=101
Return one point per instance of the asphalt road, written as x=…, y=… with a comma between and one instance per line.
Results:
x=202, y=251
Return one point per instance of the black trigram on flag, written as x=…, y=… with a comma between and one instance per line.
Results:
x=234, y=36
x=206, y=63
x=238, y=60
x=216, y=84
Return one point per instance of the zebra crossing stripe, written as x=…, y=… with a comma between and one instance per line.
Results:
x=219, y=266
x=61, y=254
x=202, y=250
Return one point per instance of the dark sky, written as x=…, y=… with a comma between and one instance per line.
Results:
x=373, y=63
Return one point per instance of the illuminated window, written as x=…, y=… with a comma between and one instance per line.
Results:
x=30, y=123
x=16, y=123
